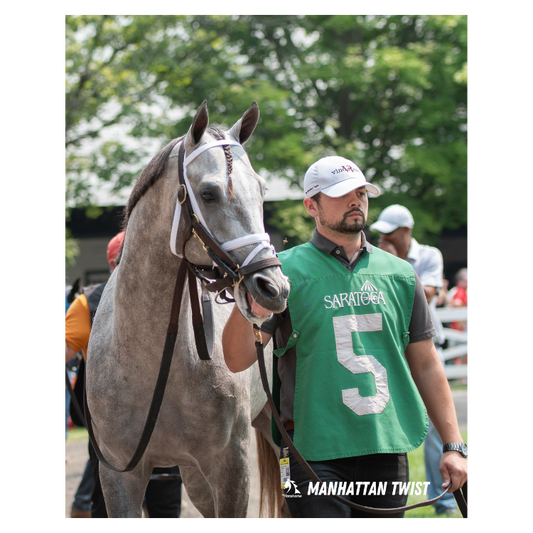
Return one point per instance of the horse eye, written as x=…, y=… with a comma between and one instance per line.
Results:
x=207, y=195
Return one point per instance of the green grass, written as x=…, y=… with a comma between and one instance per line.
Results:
x=77, y=434
x=456, y=384
x=417, y=472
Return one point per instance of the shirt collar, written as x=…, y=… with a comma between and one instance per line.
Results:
x=330, y=248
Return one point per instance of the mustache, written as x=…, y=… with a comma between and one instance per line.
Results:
x=354, y=210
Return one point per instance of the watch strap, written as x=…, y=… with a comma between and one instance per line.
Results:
x=455, y=447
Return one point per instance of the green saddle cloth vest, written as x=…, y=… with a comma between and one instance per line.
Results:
x=354, y=393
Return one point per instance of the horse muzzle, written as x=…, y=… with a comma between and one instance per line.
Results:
x=269, y=291
x=262, y=294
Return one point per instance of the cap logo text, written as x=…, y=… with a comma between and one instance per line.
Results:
x=345, y=168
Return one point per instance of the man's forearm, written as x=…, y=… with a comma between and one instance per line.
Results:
x=430, y=379
x=238, y=342
x=428, y=374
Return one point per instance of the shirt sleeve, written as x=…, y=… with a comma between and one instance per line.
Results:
x=431, y=273
x=421, y=326
x=78, y=325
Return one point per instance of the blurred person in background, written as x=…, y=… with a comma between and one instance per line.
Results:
x=394, y=225
x=458, y=297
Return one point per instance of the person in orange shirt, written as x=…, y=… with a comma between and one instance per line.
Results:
x=78, y=319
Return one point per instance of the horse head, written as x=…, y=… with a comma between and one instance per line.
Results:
x=226, y=195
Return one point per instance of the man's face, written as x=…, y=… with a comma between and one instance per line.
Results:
x=346, y=214
x=396, y=238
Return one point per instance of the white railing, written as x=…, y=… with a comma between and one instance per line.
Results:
x=458, y=340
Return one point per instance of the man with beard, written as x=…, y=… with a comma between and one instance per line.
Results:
x=356, y=367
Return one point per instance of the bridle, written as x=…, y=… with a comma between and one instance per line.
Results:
x=263, y=239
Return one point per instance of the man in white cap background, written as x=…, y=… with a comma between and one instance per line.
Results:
x=355, y=366
x=395, y=224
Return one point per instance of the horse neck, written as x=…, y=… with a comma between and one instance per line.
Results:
x=148, y=270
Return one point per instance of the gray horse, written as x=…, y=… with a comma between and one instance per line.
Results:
x=204, y=424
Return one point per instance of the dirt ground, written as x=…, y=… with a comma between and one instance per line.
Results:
x=77, y=455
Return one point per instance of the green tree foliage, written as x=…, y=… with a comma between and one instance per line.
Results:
x=388, y=92
x=72, y=249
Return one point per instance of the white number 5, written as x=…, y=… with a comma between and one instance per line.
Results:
x=359, y=364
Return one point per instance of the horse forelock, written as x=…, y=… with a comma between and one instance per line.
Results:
x=219, y=134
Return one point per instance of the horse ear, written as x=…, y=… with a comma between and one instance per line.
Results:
x=199, y=124
x=245, y=126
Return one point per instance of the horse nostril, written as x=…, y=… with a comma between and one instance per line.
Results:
x=266, y=288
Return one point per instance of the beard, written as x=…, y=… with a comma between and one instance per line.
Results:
x=345, y=226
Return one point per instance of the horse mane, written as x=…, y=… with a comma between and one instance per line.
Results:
x=151, y=173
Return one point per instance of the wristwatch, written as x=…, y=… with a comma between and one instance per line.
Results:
x=456, y=447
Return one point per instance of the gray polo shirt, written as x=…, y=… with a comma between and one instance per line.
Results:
x=280, y=326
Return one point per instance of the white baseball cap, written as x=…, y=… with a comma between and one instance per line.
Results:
x=335, y=176
x=393, y=217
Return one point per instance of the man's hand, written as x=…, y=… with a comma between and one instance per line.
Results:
x=453, y=465
x=238, y=341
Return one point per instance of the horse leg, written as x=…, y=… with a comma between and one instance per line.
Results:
x=231, y=487
x=198, y=490
x=229, y=477
x=124, y=492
